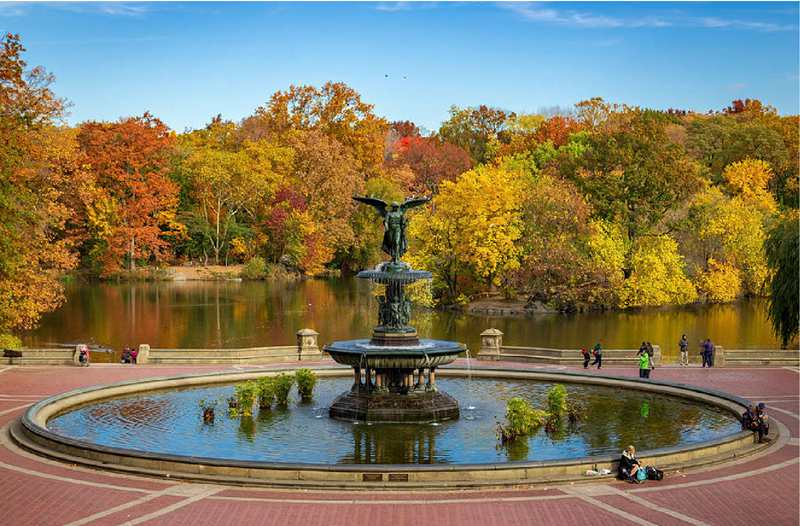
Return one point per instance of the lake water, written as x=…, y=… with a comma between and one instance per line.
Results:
x=233, y=314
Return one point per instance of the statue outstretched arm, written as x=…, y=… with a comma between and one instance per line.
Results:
x=379, y=205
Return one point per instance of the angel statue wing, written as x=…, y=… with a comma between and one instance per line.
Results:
x=379, y=205
x=413, y=202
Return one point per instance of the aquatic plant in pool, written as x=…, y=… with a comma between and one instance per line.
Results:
x=306, y=380
x=167, y=422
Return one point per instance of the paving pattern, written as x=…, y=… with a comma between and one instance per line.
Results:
x=763, y=489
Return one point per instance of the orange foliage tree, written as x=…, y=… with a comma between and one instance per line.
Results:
x=36, y=173
x=134, y=211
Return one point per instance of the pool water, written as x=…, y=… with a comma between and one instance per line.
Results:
x=170, y=422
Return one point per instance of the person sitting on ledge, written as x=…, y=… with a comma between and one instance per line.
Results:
x=628, y=465
x=762, y=421
x=754, y=419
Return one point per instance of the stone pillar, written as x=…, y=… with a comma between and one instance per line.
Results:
x=491, y=342
x=719, y=356
x=76, y=355
x=307, y=348
x=432, y=378
x=144, y=354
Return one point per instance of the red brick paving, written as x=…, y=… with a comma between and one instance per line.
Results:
x=766, y=498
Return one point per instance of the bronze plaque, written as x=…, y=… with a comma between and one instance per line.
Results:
x=372, y=477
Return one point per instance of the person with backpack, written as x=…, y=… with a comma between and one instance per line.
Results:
x=598, y=355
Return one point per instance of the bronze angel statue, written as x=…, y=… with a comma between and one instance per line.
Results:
x=394, y=222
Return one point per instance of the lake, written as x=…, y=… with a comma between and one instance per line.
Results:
x=229, y=314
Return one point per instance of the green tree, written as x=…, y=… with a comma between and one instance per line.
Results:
x=474, y=128
x=782, y=247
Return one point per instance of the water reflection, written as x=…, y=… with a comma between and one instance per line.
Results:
x=241, y=314
x=387, y=443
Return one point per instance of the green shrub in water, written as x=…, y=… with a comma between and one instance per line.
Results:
x=246, y=394
x=557, y=400
x=283, y=385
x=266, y=392
x=521, y=419
x=306, y=380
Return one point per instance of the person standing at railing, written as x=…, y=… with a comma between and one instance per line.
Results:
x=683, y=344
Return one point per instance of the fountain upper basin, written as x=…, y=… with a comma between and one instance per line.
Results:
x=426, y=353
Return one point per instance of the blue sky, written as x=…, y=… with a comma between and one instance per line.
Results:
x=186, y=62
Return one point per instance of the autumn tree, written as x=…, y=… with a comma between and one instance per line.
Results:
x=726, y=230
x=473, y=128
x=136, y=204
x=324, y=174
x=632, y=174
x=431, y=162
x=335, y=110
x=471, y=237
x=37, y=165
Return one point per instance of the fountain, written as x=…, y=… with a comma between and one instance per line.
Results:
x=394, y=372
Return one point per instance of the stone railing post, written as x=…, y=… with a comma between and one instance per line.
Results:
x=144, y=354
x=719, y=356
x=307, y=347
x=491, y=341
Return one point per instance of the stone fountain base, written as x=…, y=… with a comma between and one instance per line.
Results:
x=419, y=407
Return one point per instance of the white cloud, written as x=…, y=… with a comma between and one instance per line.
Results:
x=537, y=12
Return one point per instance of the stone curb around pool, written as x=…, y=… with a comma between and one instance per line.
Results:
x=31, y=433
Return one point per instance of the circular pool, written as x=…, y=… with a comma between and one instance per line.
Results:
x=155, y=426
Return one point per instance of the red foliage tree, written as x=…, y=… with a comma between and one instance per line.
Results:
x=432, y=161
x=130, y=160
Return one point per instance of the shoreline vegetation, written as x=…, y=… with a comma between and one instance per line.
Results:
x=597, y=206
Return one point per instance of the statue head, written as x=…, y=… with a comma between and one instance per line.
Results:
x=395, y=205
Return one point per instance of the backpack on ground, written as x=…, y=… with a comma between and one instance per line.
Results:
x=654, y=473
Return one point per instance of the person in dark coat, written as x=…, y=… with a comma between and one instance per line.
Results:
x=587, y=356
x=706, y=353
x=598, y=355
x=628, y=465
x=762, y=421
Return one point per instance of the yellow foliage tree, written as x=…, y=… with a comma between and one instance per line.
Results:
x=657, y=276
x=721, y=282
x=729, y=228
x=472, y=233
x=749, y=179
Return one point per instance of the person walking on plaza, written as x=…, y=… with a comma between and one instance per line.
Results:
x=684, y=347
x=645, y=364
x=598, y=355
x=586, y=357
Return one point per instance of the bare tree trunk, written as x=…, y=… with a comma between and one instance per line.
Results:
x=132, y=261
